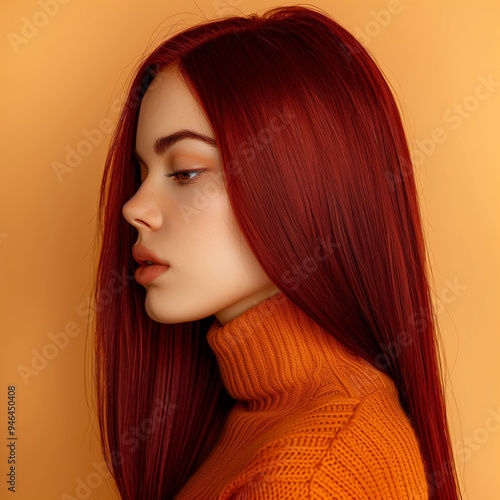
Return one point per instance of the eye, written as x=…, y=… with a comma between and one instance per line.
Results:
x=181, y=178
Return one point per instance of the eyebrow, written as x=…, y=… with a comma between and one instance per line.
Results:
x=163, y=143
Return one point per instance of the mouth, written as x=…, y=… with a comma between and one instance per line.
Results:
x=145, y=257
x=150, y=266
x=147, y=273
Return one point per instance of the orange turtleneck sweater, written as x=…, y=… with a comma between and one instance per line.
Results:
x=312, y=420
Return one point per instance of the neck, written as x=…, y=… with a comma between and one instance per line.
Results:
x=274, y=357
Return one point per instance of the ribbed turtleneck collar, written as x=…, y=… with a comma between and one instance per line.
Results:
x=273, y=357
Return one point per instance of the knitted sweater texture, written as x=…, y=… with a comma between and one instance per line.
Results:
x=312, y=420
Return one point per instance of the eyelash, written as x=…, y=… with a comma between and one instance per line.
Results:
x=175, y=175
x=182, y=172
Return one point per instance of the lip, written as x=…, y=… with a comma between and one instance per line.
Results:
x=146, y=273
x=141, y=254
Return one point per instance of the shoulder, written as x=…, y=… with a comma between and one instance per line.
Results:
x=343, y=448
x=374, y=455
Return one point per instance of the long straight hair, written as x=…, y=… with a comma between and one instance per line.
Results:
x=314, y=156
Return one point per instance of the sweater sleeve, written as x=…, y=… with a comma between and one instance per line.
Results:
x=373, y=456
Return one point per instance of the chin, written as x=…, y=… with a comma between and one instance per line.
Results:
x=161, y=312
x=162, y=316
x=156, y=313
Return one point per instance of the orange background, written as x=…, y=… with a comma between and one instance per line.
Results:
x=63, y=75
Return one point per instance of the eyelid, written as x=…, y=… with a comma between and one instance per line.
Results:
x=140, y=165
x=192, y=180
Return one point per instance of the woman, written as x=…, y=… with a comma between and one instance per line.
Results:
x=278, y=340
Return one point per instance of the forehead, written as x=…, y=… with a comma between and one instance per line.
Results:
x=167, y=107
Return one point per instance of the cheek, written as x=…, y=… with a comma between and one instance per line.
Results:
x=215, y=246
x=213, y=220
x=198, y=205
x=217, y=240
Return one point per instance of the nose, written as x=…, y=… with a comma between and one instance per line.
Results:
x=143, y=210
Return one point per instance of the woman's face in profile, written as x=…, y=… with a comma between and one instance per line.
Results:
x=185, y=219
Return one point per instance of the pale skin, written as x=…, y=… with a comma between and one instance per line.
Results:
x=191, y=227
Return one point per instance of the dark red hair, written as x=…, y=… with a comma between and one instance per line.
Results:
x=337, y=172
